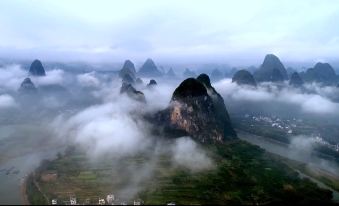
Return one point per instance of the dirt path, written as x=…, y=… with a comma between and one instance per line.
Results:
x=23, y=187
x=38, y=186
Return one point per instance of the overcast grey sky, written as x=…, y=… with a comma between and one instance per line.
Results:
x=175, y=30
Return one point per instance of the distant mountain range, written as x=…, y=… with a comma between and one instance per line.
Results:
x=320, y=73
x=149, y=69
x=272, y=70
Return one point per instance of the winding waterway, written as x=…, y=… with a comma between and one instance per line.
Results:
x=286, y=151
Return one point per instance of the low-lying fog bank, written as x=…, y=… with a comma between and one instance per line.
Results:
x=87, y=110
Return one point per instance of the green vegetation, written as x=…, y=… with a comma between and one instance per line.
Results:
x=320, y=175
x=34, y=195
x=243, y=174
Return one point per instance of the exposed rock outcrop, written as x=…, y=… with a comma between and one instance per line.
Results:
x=197, y=110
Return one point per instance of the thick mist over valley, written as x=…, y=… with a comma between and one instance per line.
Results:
x=87, y=111
x=169, y=102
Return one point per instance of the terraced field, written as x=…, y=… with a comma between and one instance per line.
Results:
x=242, y=174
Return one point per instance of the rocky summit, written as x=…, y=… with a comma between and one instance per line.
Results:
x=132, y=92
x=244, y=77
x=37, y=69
x=196, y=113
x=128, y=69
x=149, y=69
x=296, y=80
x=27, y=86
x=271, y=70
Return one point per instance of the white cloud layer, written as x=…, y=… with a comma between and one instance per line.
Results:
x=88, y=80
x=55, y=76
x=314, y=103
x=187, y=153
x=11, y=77
x=7, y=101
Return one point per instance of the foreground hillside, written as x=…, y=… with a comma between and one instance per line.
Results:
x=241, y=174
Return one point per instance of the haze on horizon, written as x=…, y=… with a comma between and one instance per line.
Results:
x=235, y=32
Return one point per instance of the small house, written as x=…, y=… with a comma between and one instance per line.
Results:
x=54, y=202
x=110, y=199
x=101, y=201
x=73, y=200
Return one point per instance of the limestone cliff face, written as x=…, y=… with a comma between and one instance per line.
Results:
x=219, y=104
x=192, y=111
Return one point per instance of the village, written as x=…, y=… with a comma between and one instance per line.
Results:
x=289, y=126
x=109, y=200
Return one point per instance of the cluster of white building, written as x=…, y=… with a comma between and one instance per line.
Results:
x=110, y=200
x=275, y=122
x=320, y=140
x=288, y=127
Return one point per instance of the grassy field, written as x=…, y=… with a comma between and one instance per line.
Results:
x=243, y=174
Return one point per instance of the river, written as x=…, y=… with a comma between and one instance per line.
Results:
x=286, y=151
x=22, y=148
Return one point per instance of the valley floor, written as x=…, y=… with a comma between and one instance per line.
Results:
x=242, y=174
